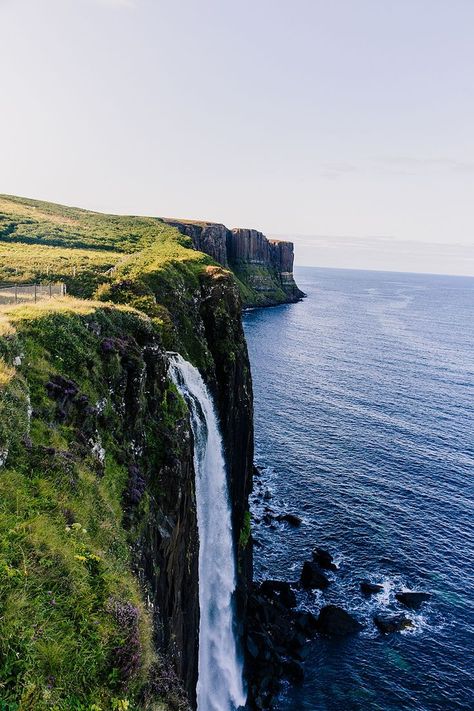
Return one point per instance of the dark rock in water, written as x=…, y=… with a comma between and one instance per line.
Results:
x=275, y=642
x=306, y=622
x=279, y=590
x=392, y=623
x=369, y=588
x=289, y=518
x=336, y=622
x=324, y=559
x=267, y=495
x=294, y=670
x=312, y=577
x=412, y=599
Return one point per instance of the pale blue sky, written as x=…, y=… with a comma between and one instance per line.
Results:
x=343, y=118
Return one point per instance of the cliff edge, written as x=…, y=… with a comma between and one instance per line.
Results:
x=263, y=267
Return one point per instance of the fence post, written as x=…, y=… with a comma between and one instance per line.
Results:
x=16, y=293
x=50, y=291
x=35, y=294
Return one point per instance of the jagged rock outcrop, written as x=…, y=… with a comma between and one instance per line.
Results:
x=263, y=266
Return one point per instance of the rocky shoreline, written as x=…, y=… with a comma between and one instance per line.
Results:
x=280, y=630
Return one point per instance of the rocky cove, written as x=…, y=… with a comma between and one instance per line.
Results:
x=285, y=616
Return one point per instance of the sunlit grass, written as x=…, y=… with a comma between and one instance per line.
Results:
x=6, y=373
x=33, y=262
x=41, y=242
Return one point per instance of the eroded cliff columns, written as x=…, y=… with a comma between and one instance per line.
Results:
x=263, y=267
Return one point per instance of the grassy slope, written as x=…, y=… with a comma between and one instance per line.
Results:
x=154, y=267
x=44, y=242
x=65, y=580
x=74, y=632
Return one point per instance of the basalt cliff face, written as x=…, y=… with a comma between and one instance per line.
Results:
x=263, y=267
x=98, y=530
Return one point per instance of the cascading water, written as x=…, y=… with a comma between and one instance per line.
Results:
x=220, y=685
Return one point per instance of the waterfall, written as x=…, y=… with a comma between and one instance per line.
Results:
x=220, y=685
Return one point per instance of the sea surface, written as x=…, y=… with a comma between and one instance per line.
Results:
x=364, y=406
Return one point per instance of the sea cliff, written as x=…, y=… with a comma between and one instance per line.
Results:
x=99, y=541
x=263, y=267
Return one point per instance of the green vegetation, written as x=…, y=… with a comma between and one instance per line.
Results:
x=81, y=437
x=246, y=530
x=258, y=285
x=140, y=261
x=74, y=632
x=43, y=242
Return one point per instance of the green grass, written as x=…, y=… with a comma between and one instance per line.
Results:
x=44, y=242
x=140, y=261
x=65, y=554
x=37, y=262
x=259, y=285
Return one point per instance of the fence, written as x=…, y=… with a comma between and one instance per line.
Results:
x=19, y=293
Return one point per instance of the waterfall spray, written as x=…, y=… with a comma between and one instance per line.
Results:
x=220, y=685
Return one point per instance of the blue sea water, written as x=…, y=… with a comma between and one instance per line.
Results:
x=364, y=414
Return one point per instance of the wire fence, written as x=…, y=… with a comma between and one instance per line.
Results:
x=19, y=293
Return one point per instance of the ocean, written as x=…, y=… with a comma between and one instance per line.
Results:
x=364, y=424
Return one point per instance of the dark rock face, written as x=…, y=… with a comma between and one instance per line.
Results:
x=263, y=265
x=220, y=311
x=275, y=643
x=167, y=550
x=312, y=577
x=388, y=624
x=324, y=559
x=368, y=588
x=412, y=599
x=249, y=246
x=208, y=237
x=292, y=519
x=333, y=621
x=278, y=590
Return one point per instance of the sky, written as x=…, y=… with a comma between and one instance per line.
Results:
x=347, y=125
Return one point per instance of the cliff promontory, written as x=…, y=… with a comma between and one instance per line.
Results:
x=263, y=267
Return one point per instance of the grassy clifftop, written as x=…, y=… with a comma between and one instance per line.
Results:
x=139, y=261
x=43, y=242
